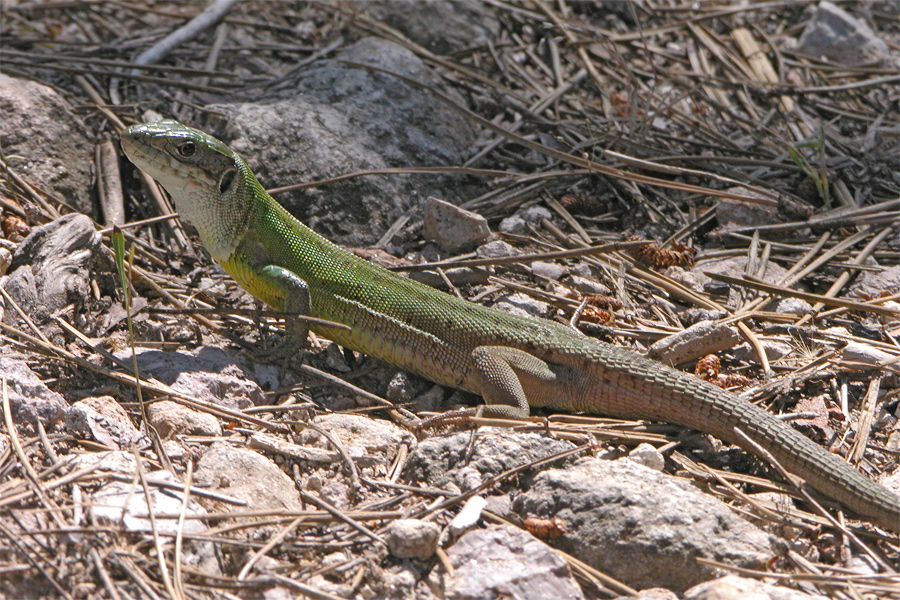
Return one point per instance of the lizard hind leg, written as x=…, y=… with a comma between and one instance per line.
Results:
x=511, y=380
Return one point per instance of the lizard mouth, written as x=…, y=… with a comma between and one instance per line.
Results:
x=136, y=142
x=150, y=151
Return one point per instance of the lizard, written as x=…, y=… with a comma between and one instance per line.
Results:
x=512, y=362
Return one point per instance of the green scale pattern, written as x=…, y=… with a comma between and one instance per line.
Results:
x=457, y=343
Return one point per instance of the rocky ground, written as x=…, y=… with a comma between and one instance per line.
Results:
x=755, y=145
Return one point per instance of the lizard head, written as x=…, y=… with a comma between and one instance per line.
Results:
x=212, y=187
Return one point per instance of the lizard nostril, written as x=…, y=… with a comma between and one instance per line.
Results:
x=133, y=133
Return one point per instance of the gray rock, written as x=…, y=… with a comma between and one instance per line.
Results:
x=523, y=305
x=117, y=503
x=500, y=506
x=535, y=213
x=403, y=580
x=460, y=276
x=53, y=267
x=370, y=436
x=229, y=390
x=117, y=461
x=698, y=340
x=549, y=270
x=513, y=224
x=736, y=267
x=335, y=359
x=892, y=481
x=412, y=538
x=652, y=594
x=518, y=223
x=495, y=249
x=506, y=562
x=279, y=592
x=30, y=401
x=177, y=451
x=452, y=228
x=692, y=279
x=326, y=587
x=431, y=400
x=774, y=349
x=467, y=517
x=647, y=455
x=216, y=288
x=732, y=587
x=587, y=285
x=640, y=526
x=863, y=354
x=331, y=489
x=834, y=34
x=104, y=420
x=333, y=118
x=6, y=258
x=171, y=419
x=45, y=142
x=583, y=269
x=793, y=306
x=283, y=449
x=248, y=476
x=735, y=213
x=693, y=315
x=211, y=375
x=875, y=284
x=450, y=459
x=402, y=388
x=442, y=26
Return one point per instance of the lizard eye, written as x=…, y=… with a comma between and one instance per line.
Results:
x=187, y=149
x=226, y=181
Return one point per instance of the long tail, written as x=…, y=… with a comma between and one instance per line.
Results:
x=643, y=388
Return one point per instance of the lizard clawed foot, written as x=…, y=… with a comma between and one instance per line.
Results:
x=283, y=352
x=292, y=344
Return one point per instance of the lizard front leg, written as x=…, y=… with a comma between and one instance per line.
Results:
x=284, y=291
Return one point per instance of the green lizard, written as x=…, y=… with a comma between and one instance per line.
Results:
x=512, y=362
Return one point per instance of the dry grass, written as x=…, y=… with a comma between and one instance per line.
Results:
x=643, y=129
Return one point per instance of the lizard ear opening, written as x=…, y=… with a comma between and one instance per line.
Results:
x=226, y=180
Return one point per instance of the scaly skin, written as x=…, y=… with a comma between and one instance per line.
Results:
x=513, y=362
